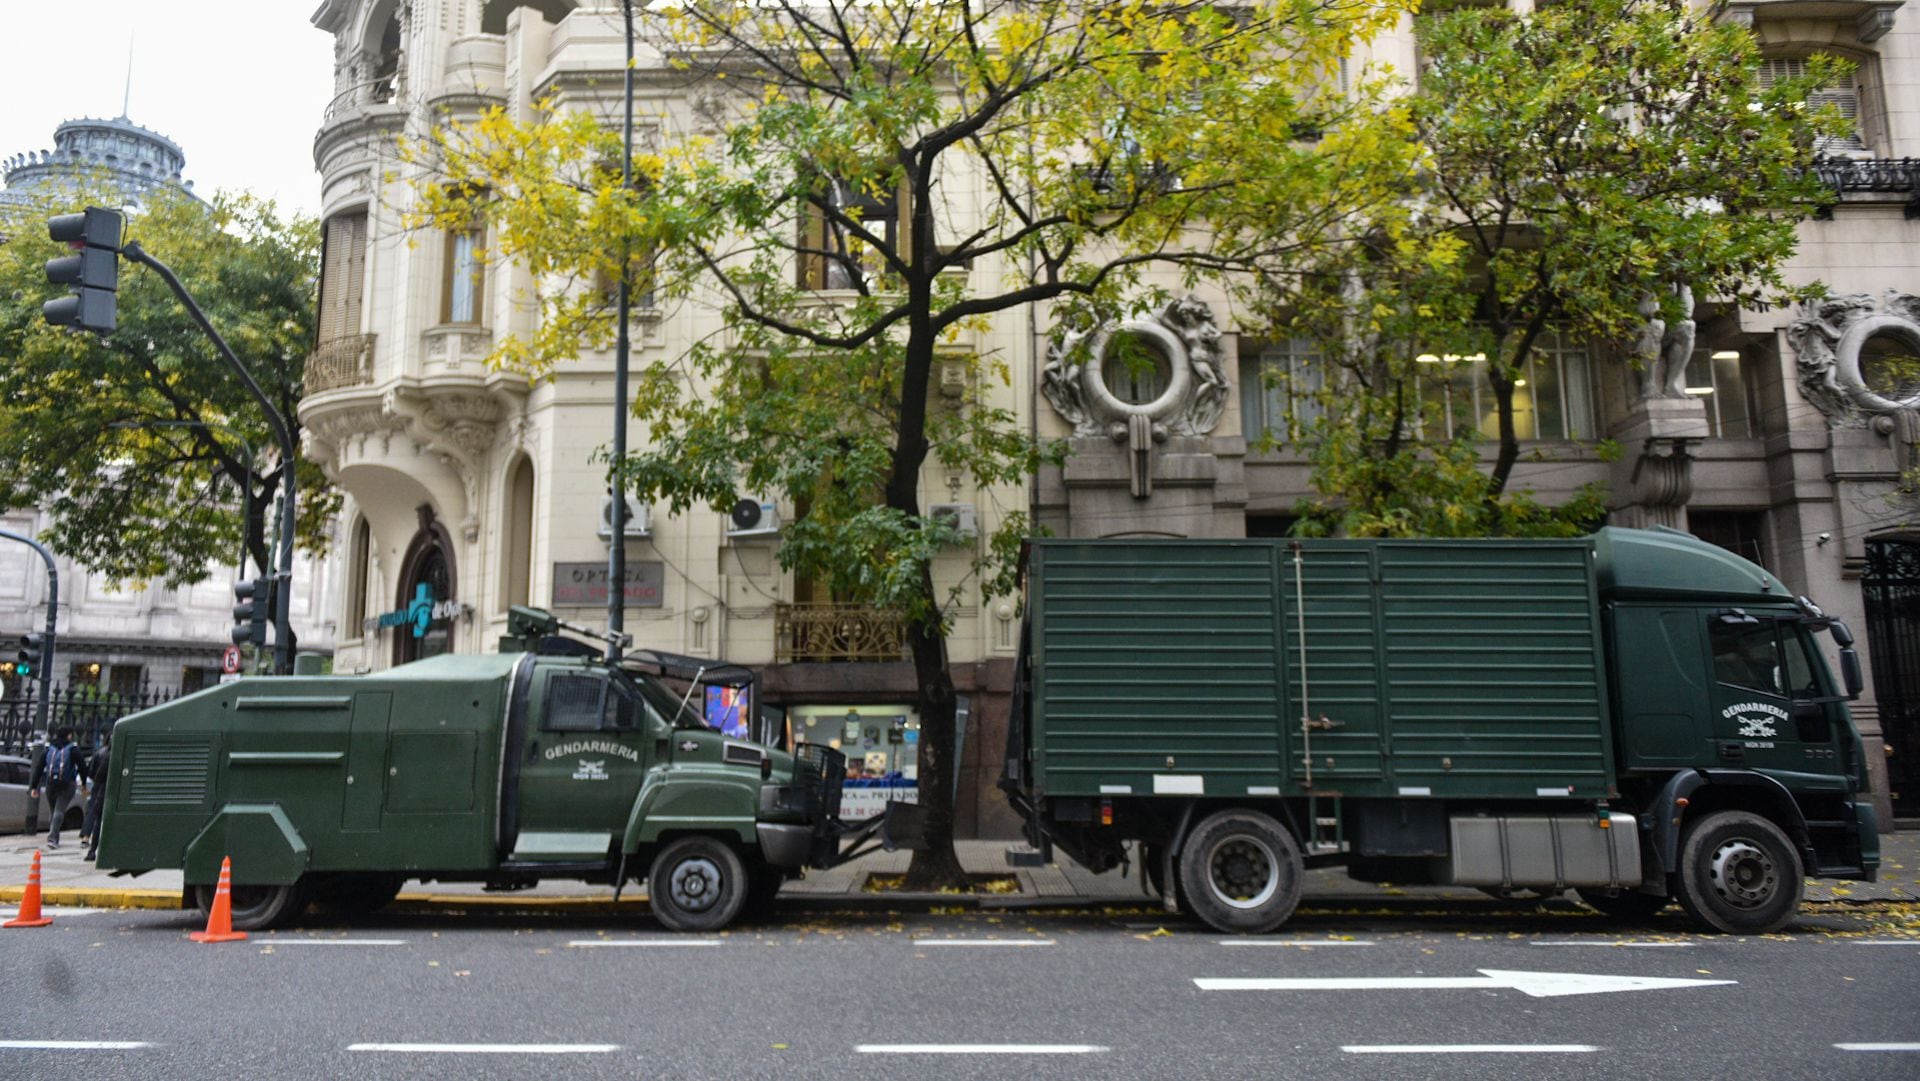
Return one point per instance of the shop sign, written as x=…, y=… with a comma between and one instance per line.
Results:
x=584, y=585
x=420, y=613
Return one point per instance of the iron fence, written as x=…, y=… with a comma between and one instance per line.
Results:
x=85, y=708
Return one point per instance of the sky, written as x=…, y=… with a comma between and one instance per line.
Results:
x=239, y=85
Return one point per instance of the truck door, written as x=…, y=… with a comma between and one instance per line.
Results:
x=1771, y=709
x=586, y=753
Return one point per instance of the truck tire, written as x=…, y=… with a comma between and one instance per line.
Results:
x=257, y=908
x=1626, y=906
x=1738, y=874
x=697, y=884
x=357, y=895
x=1240, y=872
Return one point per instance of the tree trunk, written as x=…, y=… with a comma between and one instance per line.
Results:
x=936, y=866
x=1509, y=442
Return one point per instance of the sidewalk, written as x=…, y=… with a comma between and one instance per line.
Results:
x=67, y=879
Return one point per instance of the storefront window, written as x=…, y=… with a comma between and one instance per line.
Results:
x=882, y=745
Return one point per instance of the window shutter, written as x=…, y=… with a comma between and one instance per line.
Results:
x=343, y=276
x=1844, y=98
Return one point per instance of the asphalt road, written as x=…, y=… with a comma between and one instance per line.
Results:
x=1112, y=994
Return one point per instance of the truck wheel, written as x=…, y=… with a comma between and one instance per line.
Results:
x=256, y=908
x=1240, y=871
x=357, y=895
x=1739, y=874
x=1627, y=906
x=697, y=884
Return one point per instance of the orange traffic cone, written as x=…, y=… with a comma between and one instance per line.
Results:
x=220, y=920
x=29, y=915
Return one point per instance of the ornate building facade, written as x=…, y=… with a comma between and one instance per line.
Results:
x=1788, y=436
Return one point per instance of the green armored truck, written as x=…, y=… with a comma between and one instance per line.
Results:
x=1637, y=715
x=541, y=761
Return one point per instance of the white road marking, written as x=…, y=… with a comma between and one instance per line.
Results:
x=1885, y=942
x=1878, y=1046
x=489, y=1048
x=334, y=941
x=1303, y=943
x=54, y=910
x=1623, y=942
x=72, y=1045
x=983, y=942
x=1470, y=1049
x=665, y=943
x=1533, y=984
x=979, y=1049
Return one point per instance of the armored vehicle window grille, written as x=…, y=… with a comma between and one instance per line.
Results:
x=170, y=773
x=574, y=703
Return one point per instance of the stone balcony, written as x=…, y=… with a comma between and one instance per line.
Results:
x=340, y=363
x=837, y=632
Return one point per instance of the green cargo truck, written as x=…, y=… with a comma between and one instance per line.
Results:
x=1636, y=715
x=541, y=761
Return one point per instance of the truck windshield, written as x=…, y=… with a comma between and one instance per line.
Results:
x=664, y=702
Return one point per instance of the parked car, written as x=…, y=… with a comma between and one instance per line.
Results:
x=15, y=772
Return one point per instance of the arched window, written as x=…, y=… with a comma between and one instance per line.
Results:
x=516, y=554
x=359, y=566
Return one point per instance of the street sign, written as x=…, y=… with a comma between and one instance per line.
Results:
x=1534, y=984
x=230, y=660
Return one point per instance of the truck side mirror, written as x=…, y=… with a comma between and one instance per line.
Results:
x=1850, y=671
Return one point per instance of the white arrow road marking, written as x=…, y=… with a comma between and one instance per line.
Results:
x=71, y=1045
x=1623, y=942
x=1470, y=1049
x=335, y=941
x=490, y=1048
x=669, y=943
x=979, y=1049
x=983, y=942
x=1878, y=1046
x=1534, y=984
x=1299, y=943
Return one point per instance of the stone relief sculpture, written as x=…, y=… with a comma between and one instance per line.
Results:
x=1827, y=340
x=1184, y=332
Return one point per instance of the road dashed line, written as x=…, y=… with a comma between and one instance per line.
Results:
x=1470, y=1049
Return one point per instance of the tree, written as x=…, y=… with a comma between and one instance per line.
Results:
x=1584, y=168
x=880, y=180
x=98, y=431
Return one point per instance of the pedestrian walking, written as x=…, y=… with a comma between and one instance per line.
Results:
x=59, y=773
x=97, y=800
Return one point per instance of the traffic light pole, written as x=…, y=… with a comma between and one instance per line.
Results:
x=45, y=667
x=283, y=593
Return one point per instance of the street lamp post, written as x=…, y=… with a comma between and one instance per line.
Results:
x=617, y=546
x=246, y=487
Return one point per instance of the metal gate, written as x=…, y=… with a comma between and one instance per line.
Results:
x=1891, y=586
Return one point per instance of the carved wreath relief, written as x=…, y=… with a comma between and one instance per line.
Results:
x=1827, y=340
x=1184, y=333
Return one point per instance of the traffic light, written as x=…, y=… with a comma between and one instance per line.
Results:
x=27, y=661
x=93, y=270
x=250, y=616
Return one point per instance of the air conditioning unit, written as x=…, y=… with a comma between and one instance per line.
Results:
x=754, y=518
x=639, y=519
x=958, y=517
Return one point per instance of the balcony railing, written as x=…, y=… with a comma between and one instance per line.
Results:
x=342, y=362
x=381, y=91
x=1873, y=175
x=837, y=632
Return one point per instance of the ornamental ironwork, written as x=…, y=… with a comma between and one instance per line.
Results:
x=1845, y=175
x=837, y=632
x=342, y=362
